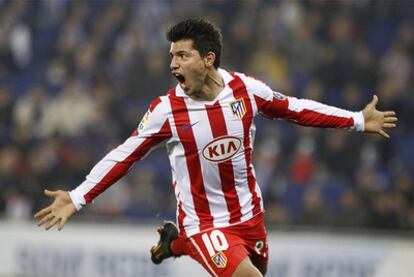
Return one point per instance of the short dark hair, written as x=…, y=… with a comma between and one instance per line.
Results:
x=205, y=35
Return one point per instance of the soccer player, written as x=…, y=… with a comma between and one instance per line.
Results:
x=206, y=124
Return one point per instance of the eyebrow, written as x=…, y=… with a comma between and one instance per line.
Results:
x=179, y=52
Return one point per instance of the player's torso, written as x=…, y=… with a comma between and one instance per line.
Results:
x=210, y=153
x=215, y=131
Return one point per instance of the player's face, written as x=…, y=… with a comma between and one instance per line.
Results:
x=187, y=66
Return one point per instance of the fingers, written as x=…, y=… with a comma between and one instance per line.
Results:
x=45, y=219
x=384, y=134
x=50, y=193
x=374, y=101
x=43, y=212
x=389, y=125
x=389, y=113
x=52, y=223
x=390, y=119
x=62, y=223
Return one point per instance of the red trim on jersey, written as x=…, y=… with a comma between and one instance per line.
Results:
x=218, y=127
x=279, y=109
x=311, y=118
x=187, y=139
x=181, y=214
x=154, y=103
x=239, y=91
x=122, y=167
x=271, y=109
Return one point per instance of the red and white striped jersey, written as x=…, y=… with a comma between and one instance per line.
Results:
x=210, y=144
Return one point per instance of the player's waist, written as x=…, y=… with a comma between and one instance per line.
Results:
x=247, y=222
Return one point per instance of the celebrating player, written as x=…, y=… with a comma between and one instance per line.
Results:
x=206, y=123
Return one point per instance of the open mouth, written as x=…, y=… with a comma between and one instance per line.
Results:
x=179, y=77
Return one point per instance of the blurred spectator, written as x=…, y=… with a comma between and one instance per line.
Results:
x=314, y=210
x=70, y=111
x=18, y=206
x=352, y=214
x=6, y=110
x=30, y=110
x=302, y=166
x=21, y=44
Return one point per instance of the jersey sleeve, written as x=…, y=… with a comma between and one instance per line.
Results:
x=305, y=112
x=153, y=129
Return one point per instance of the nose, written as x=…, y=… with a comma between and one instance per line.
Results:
x=174, y=65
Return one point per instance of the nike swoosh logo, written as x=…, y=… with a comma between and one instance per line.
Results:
x=188, y=127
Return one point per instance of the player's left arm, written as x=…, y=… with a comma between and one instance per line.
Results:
x=307, y=112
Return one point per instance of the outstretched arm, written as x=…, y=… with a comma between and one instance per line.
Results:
x=376, y=121
x=152, y=130
x=306, y=112
x=60, y=210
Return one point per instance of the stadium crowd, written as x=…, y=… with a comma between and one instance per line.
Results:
x=77, y=76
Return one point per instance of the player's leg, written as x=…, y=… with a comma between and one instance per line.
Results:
x=255, y=239
x=246, y=269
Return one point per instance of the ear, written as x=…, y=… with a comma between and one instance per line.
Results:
x=209, y=59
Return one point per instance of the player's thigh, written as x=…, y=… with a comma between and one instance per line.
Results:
x=246, y=269
x=220, y=253
x=255, y=240
x=259, y=256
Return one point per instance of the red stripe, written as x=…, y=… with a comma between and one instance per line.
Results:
x=154, y=103
x=239, y=91
x=122, y=167
x=271, y=109
x=218, y=127
x=279, y=109
x=311, y=118
x=181, y=214
x=187, y=139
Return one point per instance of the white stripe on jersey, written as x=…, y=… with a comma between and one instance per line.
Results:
x=211, y=179
x=299, y=105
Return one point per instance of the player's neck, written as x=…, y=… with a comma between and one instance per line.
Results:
x=213, y=85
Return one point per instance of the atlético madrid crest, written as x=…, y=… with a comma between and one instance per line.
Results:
x=238, y=108
x=220, y=260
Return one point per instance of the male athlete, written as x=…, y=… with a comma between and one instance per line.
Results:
x=206, y=124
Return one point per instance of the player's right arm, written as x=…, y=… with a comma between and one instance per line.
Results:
x=153, y=129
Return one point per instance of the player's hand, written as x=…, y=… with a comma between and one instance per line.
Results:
x=60, y=210
x=376, y=121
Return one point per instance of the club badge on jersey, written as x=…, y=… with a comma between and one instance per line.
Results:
x=144, y=120
x=238, y=108
x=220, y=260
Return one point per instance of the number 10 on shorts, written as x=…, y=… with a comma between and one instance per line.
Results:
x=216, y=241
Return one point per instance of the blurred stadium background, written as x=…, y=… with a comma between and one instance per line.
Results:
x=77, y=76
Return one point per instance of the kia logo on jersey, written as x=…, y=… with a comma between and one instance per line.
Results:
x=222, y=149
